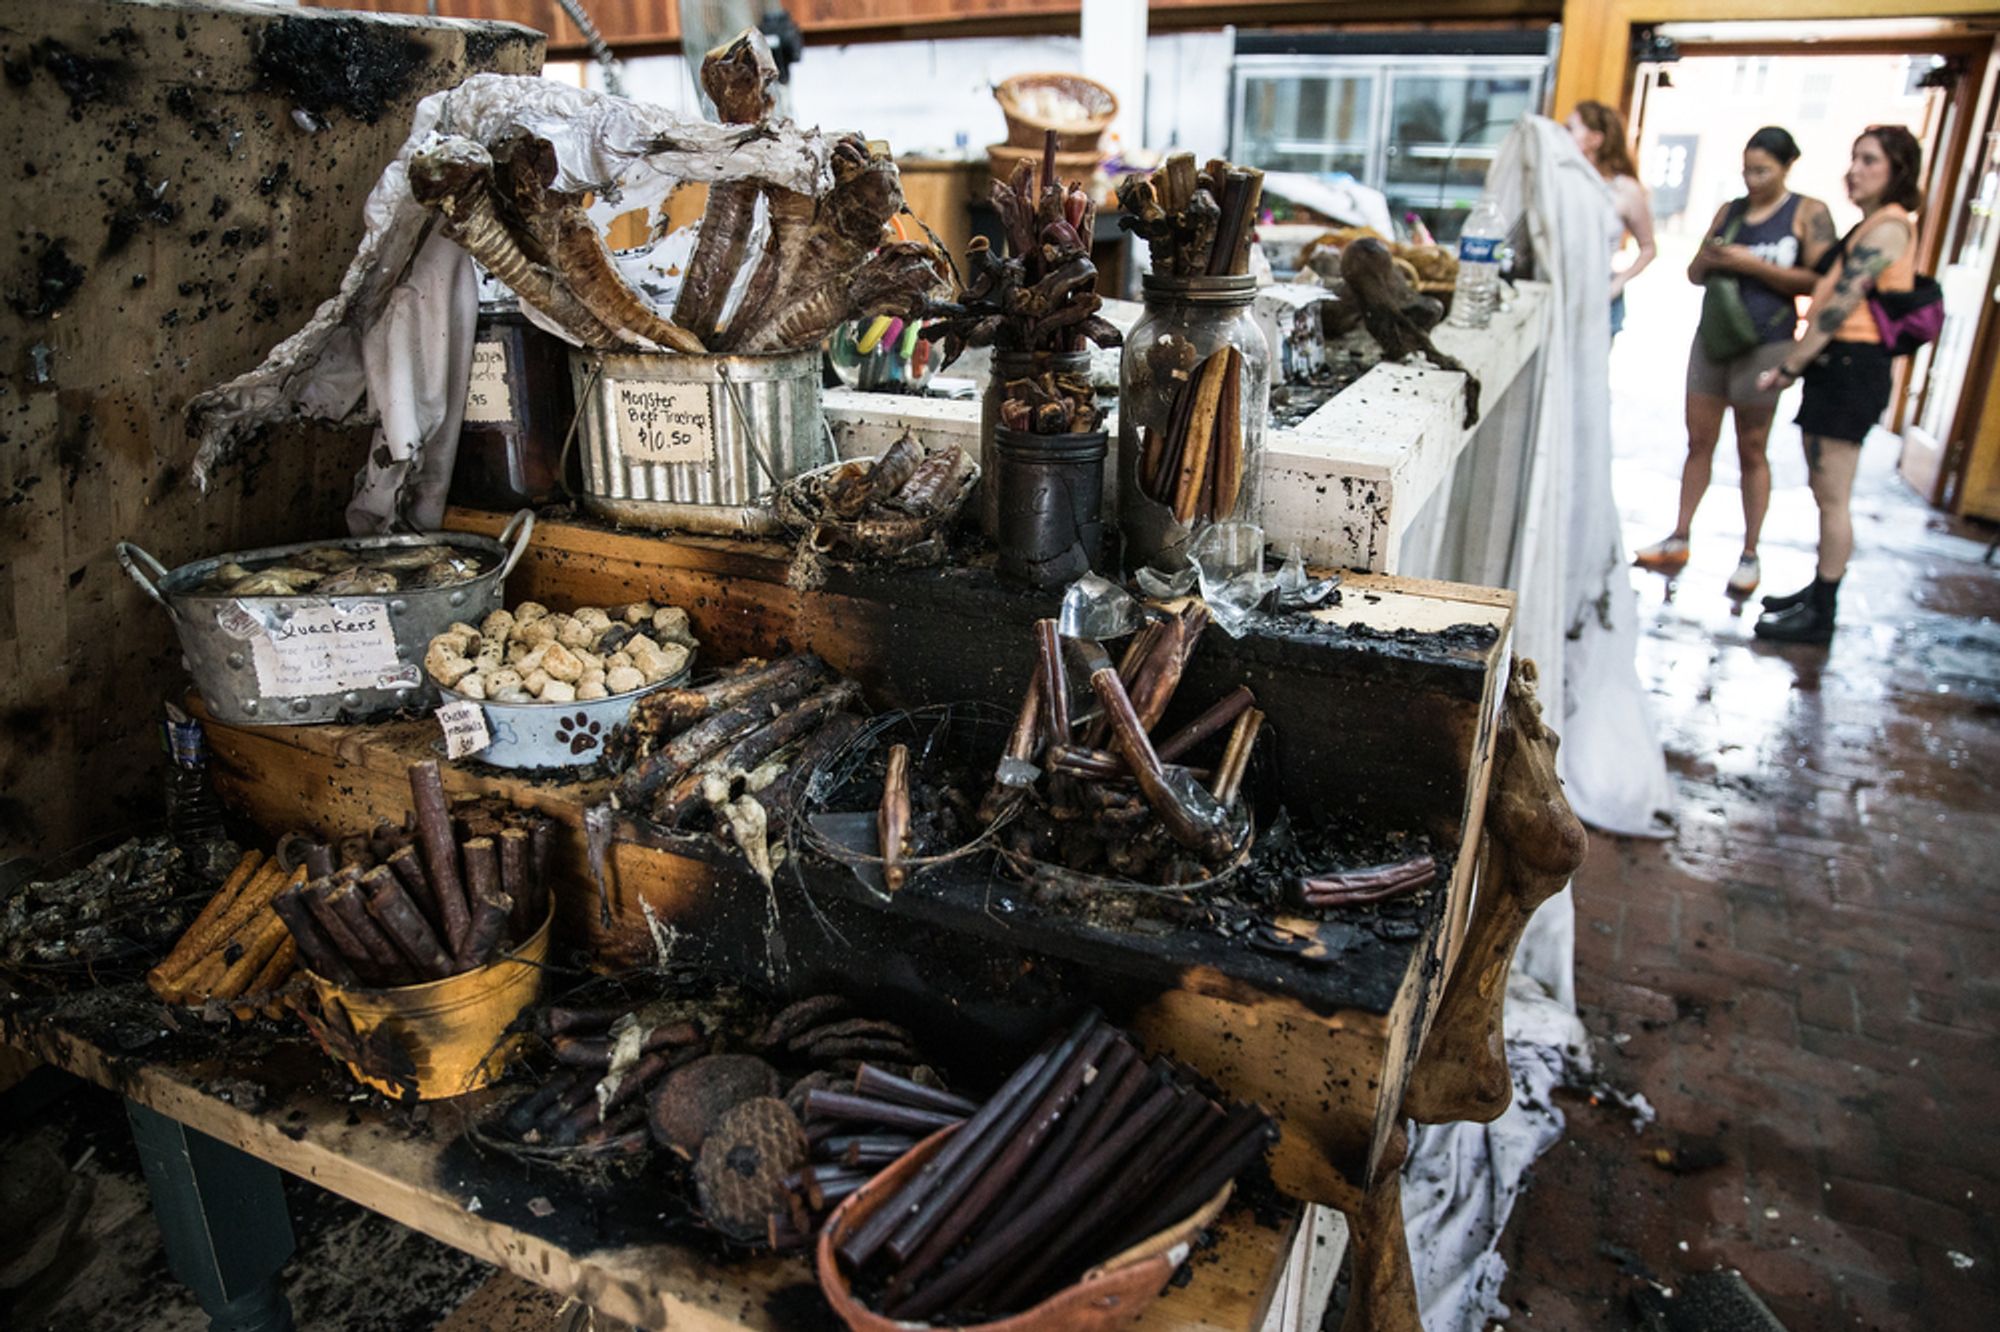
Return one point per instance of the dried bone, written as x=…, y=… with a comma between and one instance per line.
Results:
x=455, y=177
x=737, y=77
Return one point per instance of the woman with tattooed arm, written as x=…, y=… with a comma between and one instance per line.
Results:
x=1844, y=364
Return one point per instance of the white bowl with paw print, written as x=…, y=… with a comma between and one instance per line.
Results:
x=557, y=735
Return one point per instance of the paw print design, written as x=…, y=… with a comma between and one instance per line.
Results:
x=580, y=733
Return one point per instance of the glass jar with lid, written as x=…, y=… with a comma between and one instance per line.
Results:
x=1194, y=391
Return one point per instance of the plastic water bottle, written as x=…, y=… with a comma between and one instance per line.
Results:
x=194, y=811
x=1473, y=298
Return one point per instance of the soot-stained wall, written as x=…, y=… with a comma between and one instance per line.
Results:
x=183, y=186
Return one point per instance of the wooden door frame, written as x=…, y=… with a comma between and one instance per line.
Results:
x=1596, y=63
x=1596, y=60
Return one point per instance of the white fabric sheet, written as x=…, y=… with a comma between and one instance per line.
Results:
x=417, y=359
x=1461, y=1181
x=1578, y=620
x=1611, y=763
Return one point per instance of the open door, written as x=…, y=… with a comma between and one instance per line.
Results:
x=1962, y=412
x=1946, y=384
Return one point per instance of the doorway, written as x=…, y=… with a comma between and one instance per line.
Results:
x=1824, y=82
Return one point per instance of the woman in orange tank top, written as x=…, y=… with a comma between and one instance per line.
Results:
x=1845, y=367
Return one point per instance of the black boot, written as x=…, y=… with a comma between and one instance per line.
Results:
x=1775, y=602
x=1808, y=620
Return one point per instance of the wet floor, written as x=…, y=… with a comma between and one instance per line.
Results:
x=1804, y=980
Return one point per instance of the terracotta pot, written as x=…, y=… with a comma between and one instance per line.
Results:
x=1109, y=1295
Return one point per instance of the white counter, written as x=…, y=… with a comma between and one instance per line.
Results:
x=1351, y=482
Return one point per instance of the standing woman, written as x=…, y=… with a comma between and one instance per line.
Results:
x=1600, y=132
x=1771, y=240
x=1844, y=364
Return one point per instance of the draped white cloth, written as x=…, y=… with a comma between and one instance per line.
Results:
x=1611, y=762
x=1578, y=619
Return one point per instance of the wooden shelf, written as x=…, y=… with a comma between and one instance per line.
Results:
x=603, y=1248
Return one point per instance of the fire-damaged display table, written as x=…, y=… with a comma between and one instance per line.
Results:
x=619, y=1252
x=1385, y=708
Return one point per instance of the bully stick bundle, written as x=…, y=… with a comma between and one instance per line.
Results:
x=769, y=1151
x=402, y=907
x=1196, y=224
x=825, y=259
x=237, y=950
x=853, y=1133
x=1085, y=1150
x=608, y=1061
x=1109, y=797
x=1195, y=465
x=1041, y=297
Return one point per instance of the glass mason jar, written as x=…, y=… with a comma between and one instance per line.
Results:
x=1194, y=389
x=1011, y=365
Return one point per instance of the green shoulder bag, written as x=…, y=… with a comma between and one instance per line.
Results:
x=1726, y=330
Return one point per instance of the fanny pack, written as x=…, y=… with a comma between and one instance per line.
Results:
x=1904, y=320
x=1909, y=319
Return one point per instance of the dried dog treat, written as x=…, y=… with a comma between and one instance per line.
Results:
x=741, y=1169
x=690, y=1101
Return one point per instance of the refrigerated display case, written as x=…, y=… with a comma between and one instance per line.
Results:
x=1417, y=116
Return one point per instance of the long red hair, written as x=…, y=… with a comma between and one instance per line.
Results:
x=1614, y=158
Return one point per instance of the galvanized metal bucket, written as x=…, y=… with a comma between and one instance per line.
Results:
x=696, y=443
x=246, y=656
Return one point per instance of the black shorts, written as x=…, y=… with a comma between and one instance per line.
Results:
x=1846, y=391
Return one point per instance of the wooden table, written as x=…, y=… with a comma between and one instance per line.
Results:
x=1386, y=705
x=536, y=1223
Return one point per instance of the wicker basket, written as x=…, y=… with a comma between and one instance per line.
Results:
x=1002, y=158
x=1025, y=100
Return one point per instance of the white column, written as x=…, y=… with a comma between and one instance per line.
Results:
x=1114, y=53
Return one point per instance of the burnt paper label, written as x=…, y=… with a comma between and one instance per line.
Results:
x=464, y=724
x=325, y=649
x=488, y=400
x=665, y=423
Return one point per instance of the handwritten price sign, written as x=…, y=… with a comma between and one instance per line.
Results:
x=488, y=400
x=325, y=649
x=665, y=423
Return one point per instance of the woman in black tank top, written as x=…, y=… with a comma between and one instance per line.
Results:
x=1769, y=239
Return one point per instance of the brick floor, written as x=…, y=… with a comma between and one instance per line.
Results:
x=1807, y=975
